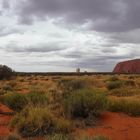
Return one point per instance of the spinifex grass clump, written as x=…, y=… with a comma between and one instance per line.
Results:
x=36, y=121
x=14, y=101
x=124, y=92
x=114, y=85
x=69, y=137
x=17, y=101
x=68, y=84
x=128, y=106
x=85, y=103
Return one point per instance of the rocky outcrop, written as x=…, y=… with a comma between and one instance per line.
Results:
x=131, y=66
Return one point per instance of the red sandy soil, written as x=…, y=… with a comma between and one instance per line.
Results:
x=116, y=126
x=4, y=120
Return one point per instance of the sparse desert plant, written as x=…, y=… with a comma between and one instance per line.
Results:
x=85, y=103
x=114, y=85
x=35, y=121
x=128, y=106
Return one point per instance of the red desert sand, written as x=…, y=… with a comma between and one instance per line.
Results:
x=116, y=126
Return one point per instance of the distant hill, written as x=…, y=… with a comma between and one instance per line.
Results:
x=130, y=66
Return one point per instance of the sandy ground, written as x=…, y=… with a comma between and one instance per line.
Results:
x=4, y=120
x=116, y=126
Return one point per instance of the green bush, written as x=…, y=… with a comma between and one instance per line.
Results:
x=85, y=103
x=5, y=72
x=14, y=101
x=36, y=121
x=128, y=106
x=114, y=85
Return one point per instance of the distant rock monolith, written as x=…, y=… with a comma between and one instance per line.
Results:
x=130, y=66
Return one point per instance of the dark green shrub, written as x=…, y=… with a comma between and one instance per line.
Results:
x=114, y=85
x=85, y=103
x=128, y=106
x=5, y=72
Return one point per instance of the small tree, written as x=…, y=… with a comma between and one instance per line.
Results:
x=5, y=72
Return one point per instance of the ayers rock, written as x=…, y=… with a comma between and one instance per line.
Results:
x=130, y=66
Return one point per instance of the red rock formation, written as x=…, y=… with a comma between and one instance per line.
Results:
x=131, y=66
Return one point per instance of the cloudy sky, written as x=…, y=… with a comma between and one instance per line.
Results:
x=61, y=35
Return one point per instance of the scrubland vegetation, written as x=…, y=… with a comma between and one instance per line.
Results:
x=54, y=107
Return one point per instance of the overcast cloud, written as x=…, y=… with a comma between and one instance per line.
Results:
x=61, y=35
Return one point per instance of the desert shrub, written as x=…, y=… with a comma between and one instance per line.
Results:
x=37, y=99
x=63, y=126
x=17, y=101
x=7, y=87
x=59, y=137
x=114, y=85
x=38, y=89
x=5, y=72
x=72, y=84
x=84, y=103
x=114, y=78
x=124, y=92
x=35, y=121
x=14, y=100
x=129, y=83
x=100, y=137
x=128, y=106
x=13, y=137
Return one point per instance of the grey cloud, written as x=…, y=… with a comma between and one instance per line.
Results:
x=104, y=15
x=128, y=37
x=6, y=32
x=6, y=4
x=39, y=48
